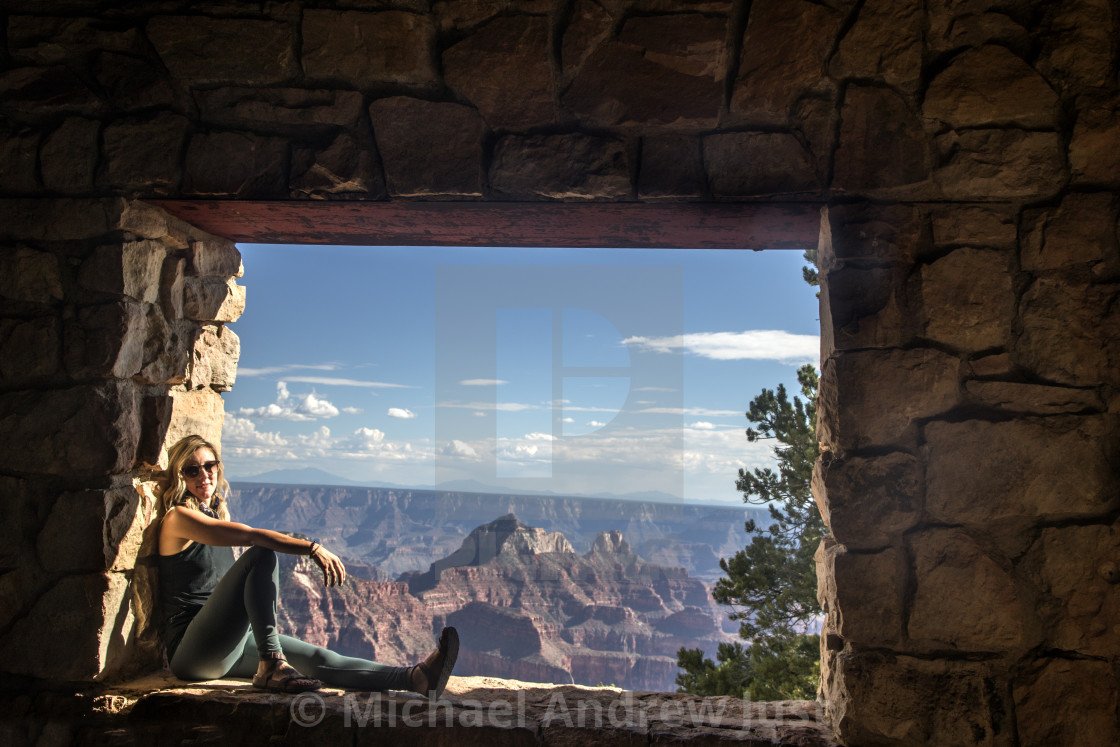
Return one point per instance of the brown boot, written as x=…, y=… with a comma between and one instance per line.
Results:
x=276, y=674
x=430, y=676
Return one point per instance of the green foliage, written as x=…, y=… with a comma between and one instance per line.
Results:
x=771, y=584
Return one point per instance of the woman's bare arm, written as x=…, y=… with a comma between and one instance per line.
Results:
x=186, y=523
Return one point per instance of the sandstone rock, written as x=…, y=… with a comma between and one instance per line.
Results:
x=901, y=153
x=1074, y=568
x=860, y=594
x=236, y=164
x=573, y=166
x=215, y=359
x=204, y=51
x=280, y=108
x=752, y=164
x=133, y=84
x=952, y=571
x=860, y=231
x=1034, y=399
x=588, y=27
x=968, y=300
x=45, y=40
x=996, y=364
x=30, y=350
x=217, y=258
x=992, y=164
x=864, y=308
x=155, y=417
x=365, y=48
x=888, y=487
x=991, y=87
x=1093, y=157
x=927, y=702
x=671, y=166
x=1077, y=51
x=18, y=149
x=105, y=341
x=198, y=411
x=505, y=71
x=1031, y=468
x=859, y=409
x=74, y=219
x=885, y=42
x=342, y=168
x=427, y=148
x=171, y=287
x=1064, y=701
x=131, y=269
x=29, y=275
x=974, y=225
x=84, y=431
x=143, y=154
x=1082, y=230
x=955, y=25
x=92, y=609
x=213, y=299
x=92, y=530
x=167, y=349
x=48, y=90
x=1067, y=332
x=69, y=156
x=782, y=57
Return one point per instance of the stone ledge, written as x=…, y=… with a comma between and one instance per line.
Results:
x=159, y=709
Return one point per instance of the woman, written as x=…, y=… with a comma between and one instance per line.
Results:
x=220, y=615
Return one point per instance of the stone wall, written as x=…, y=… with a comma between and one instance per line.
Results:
x=967, y=155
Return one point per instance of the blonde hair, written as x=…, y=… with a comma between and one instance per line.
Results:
x=176, y=493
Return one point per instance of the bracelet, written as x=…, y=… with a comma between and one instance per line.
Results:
x=314, y=548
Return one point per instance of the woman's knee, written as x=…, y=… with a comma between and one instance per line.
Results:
x=261, y=557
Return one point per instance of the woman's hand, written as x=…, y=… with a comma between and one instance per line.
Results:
x=334, y=572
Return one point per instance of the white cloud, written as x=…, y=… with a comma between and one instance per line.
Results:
x=538, y=436
x=482, y=382
x=694, y=411
x=754, y=344
x=292, y=407
x=456, y=448
x=490, y=406
x=352, y=410
x=401, y=413
x=335, y=381
x=595, y=423
x=479, y=414
x=701, y=425
x=567, y=420
x=267, y=370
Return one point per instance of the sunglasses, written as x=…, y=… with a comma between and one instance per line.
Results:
x=194, y=470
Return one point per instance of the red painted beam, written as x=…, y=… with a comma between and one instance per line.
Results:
x=608, y=225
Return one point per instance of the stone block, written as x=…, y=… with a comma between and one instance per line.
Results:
x=879, y=233
x=18, y=149
x=1034, y=399
x=974, y=225
x=105, y=341
x=215, y=359
x=783, y=57
x=236, y=164
x=26, y=503
x=29, y=275
x=213, y=299
x=1094, y=158
x=46, y=91
x=1077, y=52
x=30, y=350
x=92, y=530
x=198, y=411
x=167, y=349
x=884, y=42
x=155, y=418
x=589, y=26
x=663, y=70
x=886, y=699
x=143, y=154
x=89, y=430
x=345, y=167
x=216, y=258
x=875, y=398
x=201, y=51
x=991, y=87
x=1061, y=467
x=558, y=167
x=887, y=487
x=1067, y=702
x=281, y=109
x=427, y=148
x=171, y=287
x=742, y=164
x=368, y=48
x=901, y=156
x=671, y=166
x=131, y=269
x=968, y=299
x=954, y=26
x=46, y=40
x=994, y=365
x=504, y=69
x=134, y=84
x=965, y=598
x=860, y=594
x=1067, y=332
x=991, y=164
x=1080, y=231
x=77, y=631
x=864, y=307
x=68, y=157
x=1076, y=569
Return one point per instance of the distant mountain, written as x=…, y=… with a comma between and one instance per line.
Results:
x=474, y=486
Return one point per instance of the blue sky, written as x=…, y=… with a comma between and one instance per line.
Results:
x=567, y=370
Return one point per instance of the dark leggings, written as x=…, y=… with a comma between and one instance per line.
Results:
x=238, y=623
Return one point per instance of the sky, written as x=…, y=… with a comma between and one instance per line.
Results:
x=572, y=371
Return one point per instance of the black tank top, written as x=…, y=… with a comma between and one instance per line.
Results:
x=185, y=582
